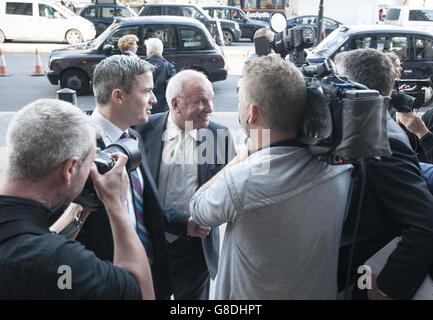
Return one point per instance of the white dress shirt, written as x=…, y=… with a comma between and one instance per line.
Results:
x=110, y=134
x=171, y=139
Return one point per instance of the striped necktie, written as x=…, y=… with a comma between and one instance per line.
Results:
x=137, y=190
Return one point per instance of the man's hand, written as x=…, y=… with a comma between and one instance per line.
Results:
x=413, y=123
x=374, y=294
x=193, y=229
x=111, y=187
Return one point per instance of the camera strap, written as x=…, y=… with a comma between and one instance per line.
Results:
x=363, y=170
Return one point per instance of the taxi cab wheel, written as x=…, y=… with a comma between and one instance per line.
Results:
x=76, y=80
x=228, y=37
x=2, y=37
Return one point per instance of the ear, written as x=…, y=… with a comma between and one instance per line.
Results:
x=70, y=168
x=254, y=113
x=117, y=95
x=175, y=104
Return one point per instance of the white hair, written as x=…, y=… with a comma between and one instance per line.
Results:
x=175, y=84
x=44, y=134
x=154, y=46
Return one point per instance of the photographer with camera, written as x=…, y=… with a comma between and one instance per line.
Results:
x=51, y=147
x=284, y=209
x=123, y=92
x=396, y=202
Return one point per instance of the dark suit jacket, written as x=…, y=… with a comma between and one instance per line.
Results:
x=397, y=202
x=152, y=133
x=96, y=232
x=163, y=72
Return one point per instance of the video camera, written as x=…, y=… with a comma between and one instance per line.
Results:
x=405, y=100
x=104, y=163
x=344, y=121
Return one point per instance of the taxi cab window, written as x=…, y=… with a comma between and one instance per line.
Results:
x=397, y=44
x=192, y=39
x=109, y=12
x=90, y=13
x=423, y=49
x=114, y=38
x=165, y=33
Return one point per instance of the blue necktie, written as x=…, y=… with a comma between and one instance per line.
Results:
x=137, y=191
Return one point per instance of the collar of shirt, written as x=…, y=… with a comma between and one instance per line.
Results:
x=172, y=130
x=36, y=213
x=110, y=132
x=282, y=143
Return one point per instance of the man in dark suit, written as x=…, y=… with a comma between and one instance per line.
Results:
x=123, y=91
x=397, y=201
x=187, y=150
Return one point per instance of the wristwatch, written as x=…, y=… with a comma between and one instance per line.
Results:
x=73, y=226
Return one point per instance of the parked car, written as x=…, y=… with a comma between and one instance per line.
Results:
x=248, y=26
x=187, y=45
x=42, y=20
x=230, y=29
x=102, y=15
x=413, y=47
x=329, y=24
x=409, y=17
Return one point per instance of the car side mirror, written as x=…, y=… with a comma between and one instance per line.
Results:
x=107, y=48
x=57, y=15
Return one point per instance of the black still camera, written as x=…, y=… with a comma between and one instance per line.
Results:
x=104, y=163
x=405, y=100
x=343, y=121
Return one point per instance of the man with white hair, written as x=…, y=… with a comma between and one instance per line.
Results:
x=187, y=150
x=164, y=70
x=51, y=148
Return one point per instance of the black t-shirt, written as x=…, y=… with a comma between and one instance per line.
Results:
x=38, y=264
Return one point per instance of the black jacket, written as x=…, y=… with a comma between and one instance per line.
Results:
x=152, y=134
x=96, y=232
x=163, y=72
x=397, y=202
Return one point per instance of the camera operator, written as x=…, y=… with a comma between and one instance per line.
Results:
x=51, y=147
x=283, y=208
x=396, y=202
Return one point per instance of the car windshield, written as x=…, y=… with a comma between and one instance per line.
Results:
x=103, y=36
x=330, y=43
x=65, y=11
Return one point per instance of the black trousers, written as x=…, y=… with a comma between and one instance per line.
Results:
x=190, y=276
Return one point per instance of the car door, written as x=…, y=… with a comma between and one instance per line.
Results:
x=167, y=33
x=50, y=23
x=422, y=64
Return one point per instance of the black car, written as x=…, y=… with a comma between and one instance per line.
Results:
x=248, y=26
x=187, y=45
x=102, y=15
x=413, y=47
x=329, y=24
x=230, y=29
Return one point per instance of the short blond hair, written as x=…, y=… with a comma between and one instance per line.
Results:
x=126, y=42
